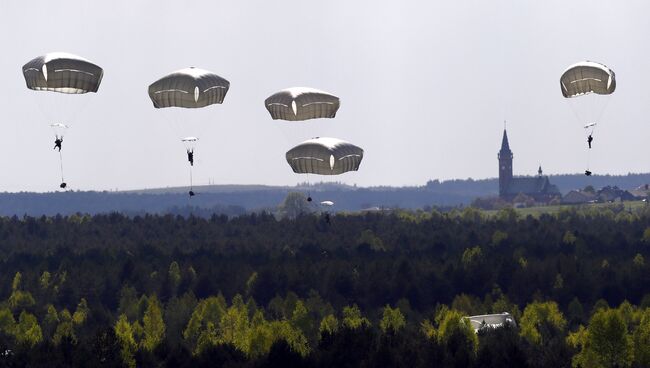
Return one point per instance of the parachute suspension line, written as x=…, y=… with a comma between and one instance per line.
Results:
x=575, y=113
x=308, y=189
x=191, y=180
x=600, y=108
x=61, y=164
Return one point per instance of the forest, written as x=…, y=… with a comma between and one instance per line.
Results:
x=308, y=290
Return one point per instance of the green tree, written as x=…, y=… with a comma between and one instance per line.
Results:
x=537, y=314
x=329, y=325
x=502, y=304
x=428, y=329
x=392, y=320
x=208, y=310
x=575, y=312
x=177, y=314
x=569, y=238
x=175, y=277
x=128, y=303
x=642, y=340
x=15, y=284
x=300, y=318
x=7, y=322
x=646, y=235
x=499, y=237
x=45, y=280
x=467, y=304
x=638, y=261
x=154, y=326
x=28, y=331
x=456, y=334
x=124, y=335
x=19, y=299
x=50, y=321
x=81, y=314
x=369, y=238
x=260, y=337
x=234, y=327
x=606, y=342
x=207, y=337
x=353, y=319
x=559, y=282
x=472, y=215
x=472, y=257
x=294, y=337
x=250, y=283
x=65, y=328
x=138, y=332
x=508, y=215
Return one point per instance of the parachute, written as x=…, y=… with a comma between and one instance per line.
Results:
x=578, y=82
x=189, y=88
x=587, y=77
x=302, y=103
x=65, y=74
x=62, y=72
x=324, y=156
x=327, y=203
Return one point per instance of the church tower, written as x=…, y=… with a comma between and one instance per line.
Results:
x=505, y=165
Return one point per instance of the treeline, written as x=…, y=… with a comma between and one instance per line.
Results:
x=352, y=291
x=186, y=332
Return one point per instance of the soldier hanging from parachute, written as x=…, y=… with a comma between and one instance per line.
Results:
x=583, y=79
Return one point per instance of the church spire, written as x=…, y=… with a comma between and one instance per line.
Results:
x=505, y=164
x=505, y=146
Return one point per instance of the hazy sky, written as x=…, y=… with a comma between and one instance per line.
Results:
x=424, y=88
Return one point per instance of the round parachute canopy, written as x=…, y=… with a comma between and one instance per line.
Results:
x=188, y=88
x=302, y=103
x=62, y=72
x=327, y=203
x=587, y=77
x=324, y=156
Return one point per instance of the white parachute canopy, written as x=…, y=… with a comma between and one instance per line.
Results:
x=327, y=203
x=302, y=103
x=324, y=156
x=587, y=77
x=588, y=87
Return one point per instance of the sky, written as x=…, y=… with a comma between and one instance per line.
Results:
x=425, y=87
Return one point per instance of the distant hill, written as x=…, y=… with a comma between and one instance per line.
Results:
x=237, y=199
x=567, y=182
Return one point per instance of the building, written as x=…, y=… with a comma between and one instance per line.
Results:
x=614, y=194
x=491, y=321
x=537, y=187
x=642, y=192
x=579, y=197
